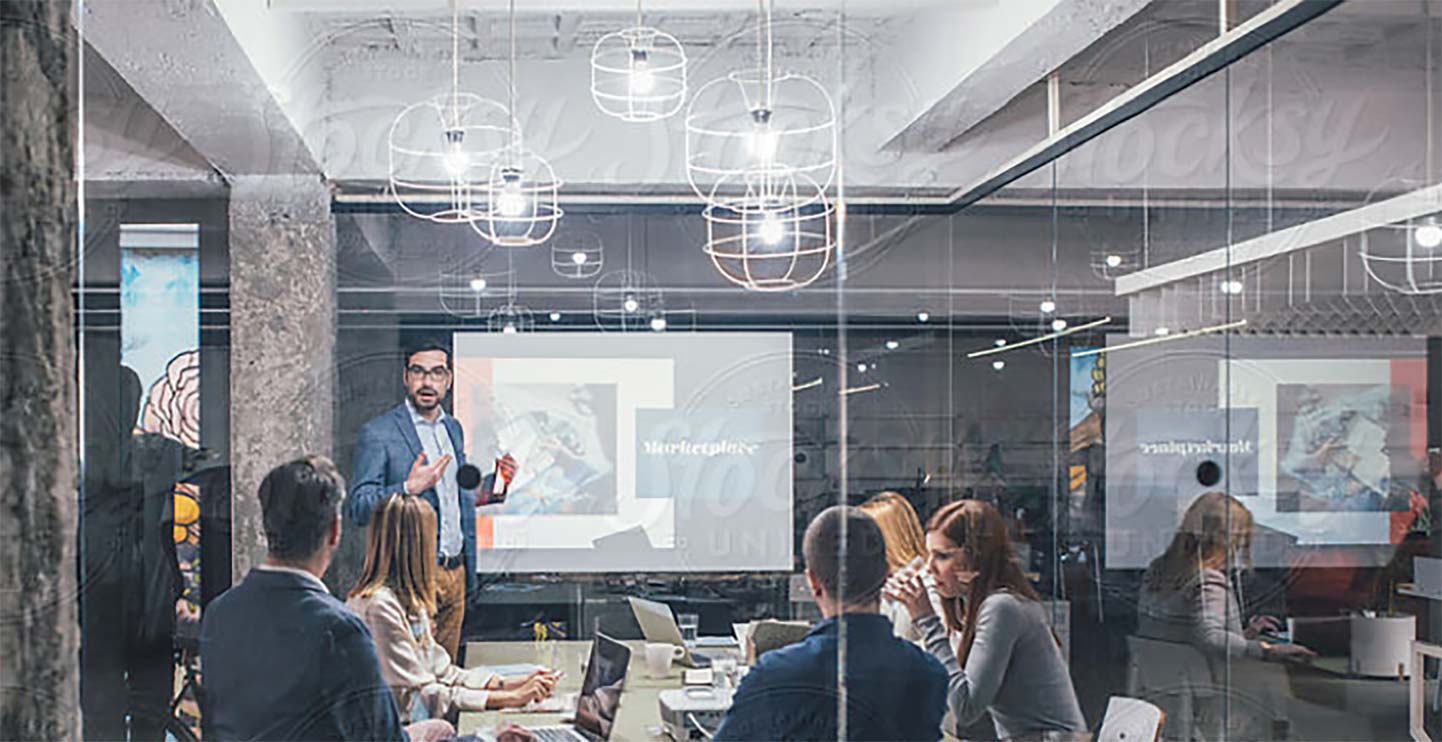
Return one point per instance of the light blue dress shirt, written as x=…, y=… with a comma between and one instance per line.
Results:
x=436, y=442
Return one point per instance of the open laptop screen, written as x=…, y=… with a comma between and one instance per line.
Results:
x=601, y=689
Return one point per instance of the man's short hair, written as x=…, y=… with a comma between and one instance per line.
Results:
x=421, y=345
x=852, y=572
x=299, y=501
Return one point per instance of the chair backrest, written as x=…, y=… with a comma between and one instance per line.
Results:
x=1131, y=720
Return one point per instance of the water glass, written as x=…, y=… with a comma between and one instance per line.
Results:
x=690, y=624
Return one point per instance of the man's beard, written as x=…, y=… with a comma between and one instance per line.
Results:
x=422, y=405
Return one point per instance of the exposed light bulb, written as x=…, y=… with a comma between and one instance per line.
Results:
x=1000, y=343
x=630, y=304
x=511, y=202
x=658, y=324
x=892, y=345
x=771, y=230
x=642, y=78
x=762, y=141
x=455, y=160
x=1114, y=261
x=509, y=329
x=1163, y=331
x=1231, y=287
x=555, y=316
x=998, y=365
x=478, y=284
x=825, y=351
x=1048, y=306
x=578, y=257
x=923, y=316
x=1428, y=235
x=861, y=367
x=1057, y=325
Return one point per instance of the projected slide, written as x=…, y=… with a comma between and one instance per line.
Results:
x=1323, y=442
x=636, y=452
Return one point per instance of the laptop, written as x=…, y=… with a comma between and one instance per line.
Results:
x=600, y=696
x=658, y=625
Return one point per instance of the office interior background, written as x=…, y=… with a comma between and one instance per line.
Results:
x=1082, y=259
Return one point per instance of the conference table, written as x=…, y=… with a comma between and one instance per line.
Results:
x=638, y=719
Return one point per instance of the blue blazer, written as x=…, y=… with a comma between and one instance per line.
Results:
x=387, y=447
x=895, y=690
x=284, y=660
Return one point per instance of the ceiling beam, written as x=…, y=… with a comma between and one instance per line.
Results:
x=190, y=63
x=1008, y=48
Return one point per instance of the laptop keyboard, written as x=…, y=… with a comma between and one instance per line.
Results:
x=556, y=734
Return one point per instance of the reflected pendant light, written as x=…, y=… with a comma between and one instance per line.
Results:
x=439, y=149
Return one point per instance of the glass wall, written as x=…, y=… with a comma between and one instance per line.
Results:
x=1165, y=302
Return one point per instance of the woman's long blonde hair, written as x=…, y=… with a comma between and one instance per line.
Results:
x=401, y=554
x=1215, y=522
x=981, y=533
x=900, y=529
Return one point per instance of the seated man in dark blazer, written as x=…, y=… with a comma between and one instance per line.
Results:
x=283, y=659
x=894, y=689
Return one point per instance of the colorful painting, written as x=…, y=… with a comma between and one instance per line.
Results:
x=160, y=337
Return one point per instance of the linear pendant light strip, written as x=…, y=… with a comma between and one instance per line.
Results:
x=1039, y=339
x=1161, y=339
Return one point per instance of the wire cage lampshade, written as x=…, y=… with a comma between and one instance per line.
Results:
x=774, y=234
x=638, y=74
x=440, y=149
x=1406, y=259
x=509, y=319
x=577, y=254
x=749, y=121
x=627, y=301
x=517, y=204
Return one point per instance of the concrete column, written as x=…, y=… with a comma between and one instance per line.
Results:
x=282, y=339
x=39, y=462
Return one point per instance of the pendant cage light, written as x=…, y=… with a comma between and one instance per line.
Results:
x=774, y=234
x=463, y=285
x=1110, y=262
x=759, y=120
x=627, y=301
x=638, y=74
x=510, y=318
x=517, y=202
x=577, y=254
x=1406, y=260
x=438, y=149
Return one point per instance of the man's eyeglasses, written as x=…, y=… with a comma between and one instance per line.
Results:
x=439, y=373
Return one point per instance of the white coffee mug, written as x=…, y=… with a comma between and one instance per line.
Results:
x=660, y=656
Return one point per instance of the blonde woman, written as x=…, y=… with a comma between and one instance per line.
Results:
x=396, y=597
x=1187, y=593
x=905, y=549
